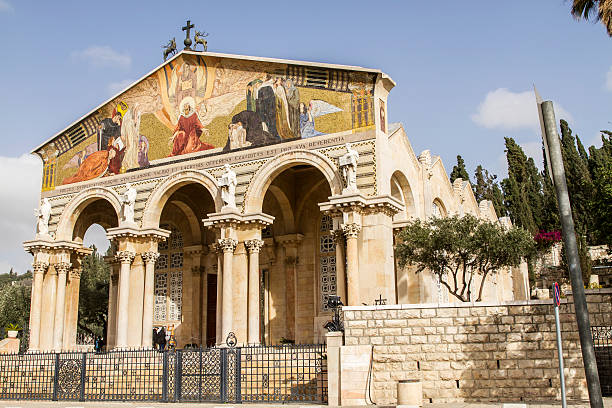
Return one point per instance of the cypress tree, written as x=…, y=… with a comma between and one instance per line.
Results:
x=600, y=166
x=487, y=188
x=459, y=171
x=579, y=183
x=521, y=188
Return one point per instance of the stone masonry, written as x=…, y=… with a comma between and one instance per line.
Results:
x=474, y=352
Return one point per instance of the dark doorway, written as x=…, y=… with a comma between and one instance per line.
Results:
x=211, y=311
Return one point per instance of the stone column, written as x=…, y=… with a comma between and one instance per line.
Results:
x=253, y=246
x=39, y=269
x=60, y=305
x=340, y=265
x=218, y=322
x=126, y=258
x=148, y=298
x=228, y=245
x=111, y=331
x=351, y=232
x=72, y=306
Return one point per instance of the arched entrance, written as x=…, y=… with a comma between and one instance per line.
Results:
x=298, y=259
x=184, y=287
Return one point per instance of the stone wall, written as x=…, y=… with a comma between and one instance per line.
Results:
x=474, y=352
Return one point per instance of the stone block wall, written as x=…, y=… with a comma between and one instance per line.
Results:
x=474, y=352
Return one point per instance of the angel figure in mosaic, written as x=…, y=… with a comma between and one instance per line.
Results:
x=315, y=109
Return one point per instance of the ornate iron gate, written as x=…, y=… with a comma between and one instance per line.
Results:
x=284, y=373
x=70, y=377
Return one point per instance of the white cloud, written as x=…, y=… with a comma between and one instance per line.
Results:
x=116, y=87
x=507, y=110
x=609, y=79
x=103, y=56
x=20, y=179
x=5, y=6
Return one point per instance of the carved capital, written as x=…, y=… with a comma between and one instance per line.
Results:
x=125, y=257
x=338, y=236
x=228, y=244
x=62, y=267
x=149, y=257
x=254, y=245
x=39, y=267
x=75, y=273
x=214, y=248
x=351, y=230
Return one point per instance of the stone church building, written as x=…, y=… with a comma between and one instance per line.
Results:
x=238, y=193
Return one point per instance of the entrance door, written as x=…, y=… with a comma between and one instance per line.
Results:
x=211, y=311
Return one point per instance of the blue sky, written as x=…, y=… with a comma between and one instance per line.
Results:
x=464, y=70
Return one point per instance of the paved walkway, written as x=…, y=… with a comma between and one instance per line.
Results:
x=51, y=404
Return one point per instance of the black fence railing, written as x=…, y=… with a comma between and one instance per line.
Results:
x=602, y=342
x=284, y=373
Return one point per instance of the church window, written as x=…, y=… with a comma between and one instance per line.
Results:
x=169, y=279
x=327, y=261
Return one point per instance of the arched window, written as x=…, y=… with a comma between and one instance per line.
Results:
x=169, y=279
x=327, y=261
x=437, y=209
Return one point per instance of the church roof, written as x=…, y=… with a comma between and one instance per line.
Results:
x=218, y=55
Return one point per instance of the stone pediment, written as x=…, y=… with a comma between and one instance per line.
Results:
x=201, y=104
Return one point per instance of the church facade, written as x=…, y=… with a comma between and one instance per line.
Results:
x=238, y=193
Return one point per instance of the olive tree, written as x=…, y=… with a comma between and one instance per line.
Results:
x=458, y=248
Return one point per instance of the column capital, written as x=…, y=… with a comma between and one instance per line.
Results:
x=150, y=256
x=214, y=248
x=125, y=257
x=75, y=273
x=351, y=230
x=227, y=244
x=338, y=236
x=62, y=268
x=254, y=245
x=39, y=267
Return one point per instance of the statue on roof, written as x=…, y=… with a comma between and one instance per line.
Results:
x=170, y=48
x=199, y=39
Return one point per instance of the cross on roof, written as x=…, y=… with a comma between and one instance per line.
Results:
x=187, y=30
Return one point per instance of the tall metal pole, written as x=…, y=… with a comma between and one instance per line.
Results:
x=571, y=250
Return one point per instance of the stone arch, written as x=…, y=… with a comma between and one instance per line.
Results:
x=265, y=175
x=442, y=208
x=400, y=189
x=285, y=206
x=78, y=204
x=162, y=192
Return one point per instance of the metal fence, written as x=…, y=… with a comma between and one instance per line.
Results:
x=602, y=341
x=284, y=373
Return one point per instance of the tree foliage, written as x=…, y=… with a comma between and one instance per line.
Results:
x=458, y=248
x=93, y=296
x=599, y=10
x=487, y=188
x=459, y=171
x=14, y=301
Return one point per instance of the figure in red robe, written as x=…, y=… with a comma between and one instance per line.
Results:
x=186, y=137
